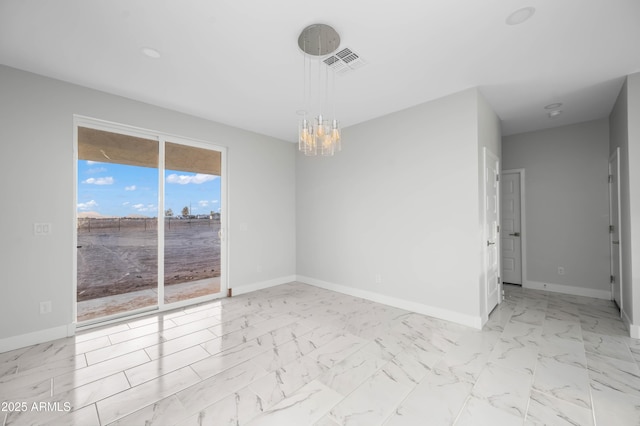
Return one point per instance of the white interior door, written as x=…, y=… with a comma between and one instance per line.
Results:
x=614, y=228
x=491, y=221
x=511, y=228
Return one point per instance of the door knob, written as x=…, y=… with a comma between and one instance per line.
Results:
x=515, y=234
x=615, y=242
x=489, y=243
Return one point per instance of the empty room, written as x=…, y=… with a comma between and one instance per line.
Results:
x=347, y=213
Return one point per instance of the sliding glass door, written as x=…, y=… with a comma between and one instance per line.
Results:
x=117, y=223
x=192, y=188
x=149, y=222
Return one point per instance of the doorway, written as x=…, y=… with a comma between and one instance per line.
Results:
x=150, y=220
x=512, y=222
x=614, y=228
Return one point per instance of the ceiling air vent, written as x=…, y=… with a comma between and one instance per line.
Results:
x=344, y=61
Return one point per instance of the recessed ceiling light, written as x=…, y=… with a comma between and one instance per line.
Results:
x=301, y=112
x=520, y=16
x=553, y=106
x=151, y=52
x=555, y=113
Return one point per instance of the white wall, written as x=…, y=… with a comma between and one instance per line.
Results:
x=36, y=183
x=489, y=136
x=633, y=99
x=619, y=138
x=625, y=134
x=401, y=200
x=567, y=210
x=626, y=124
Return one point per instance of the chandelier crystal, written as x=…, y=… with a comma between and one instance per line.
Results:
x=318, y=135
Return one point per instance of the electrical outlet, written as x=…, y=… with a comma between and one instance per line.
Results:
x=378, y=278
x=41, y=228
x=560, y=270
x=45, y=307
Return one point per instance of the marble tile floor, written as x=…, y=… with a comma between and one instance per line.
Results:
x=300, y=355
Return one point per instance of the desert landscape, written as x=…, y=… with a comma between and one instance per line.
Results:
x=117, y=256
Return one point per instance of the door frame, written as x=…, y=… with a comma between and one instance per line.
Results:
x=616, y=157
x=161, y=137
x=523, y=227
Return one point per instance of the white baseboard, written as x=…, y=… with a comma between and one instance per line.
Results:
x=568, y=289
x=432, y=311
x=634, y=329
x=248, y=288
x=41, y=336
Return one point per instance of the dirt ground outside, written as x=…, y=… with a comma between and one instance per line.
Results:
x=120, y=255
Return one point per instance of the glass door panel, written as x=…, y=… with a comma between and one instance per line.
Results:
x=117, y=225
x=192, y=202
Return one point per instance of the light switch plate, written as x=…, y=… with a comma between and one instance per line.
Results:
x=41, y=228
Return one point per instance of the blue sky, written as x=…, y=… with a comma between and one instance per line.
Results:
x=111, y=189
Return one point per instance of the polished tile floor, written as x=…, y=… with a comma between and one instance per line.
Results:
x=299, y=355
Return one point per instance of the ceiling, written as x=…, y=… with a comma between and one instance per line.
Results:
x=237, y=61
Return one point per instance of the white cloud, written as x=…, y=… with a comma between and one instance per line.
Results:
x=91, y=162
x=126, y=203
x=88, y=205
x=97, y=170
x=184, y=179
x=142, y=208
x=100, y=181
x=203, y=203
x=130, y=188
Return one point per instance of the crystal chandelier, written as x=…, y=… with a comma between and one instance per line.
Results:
x=318, y=135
